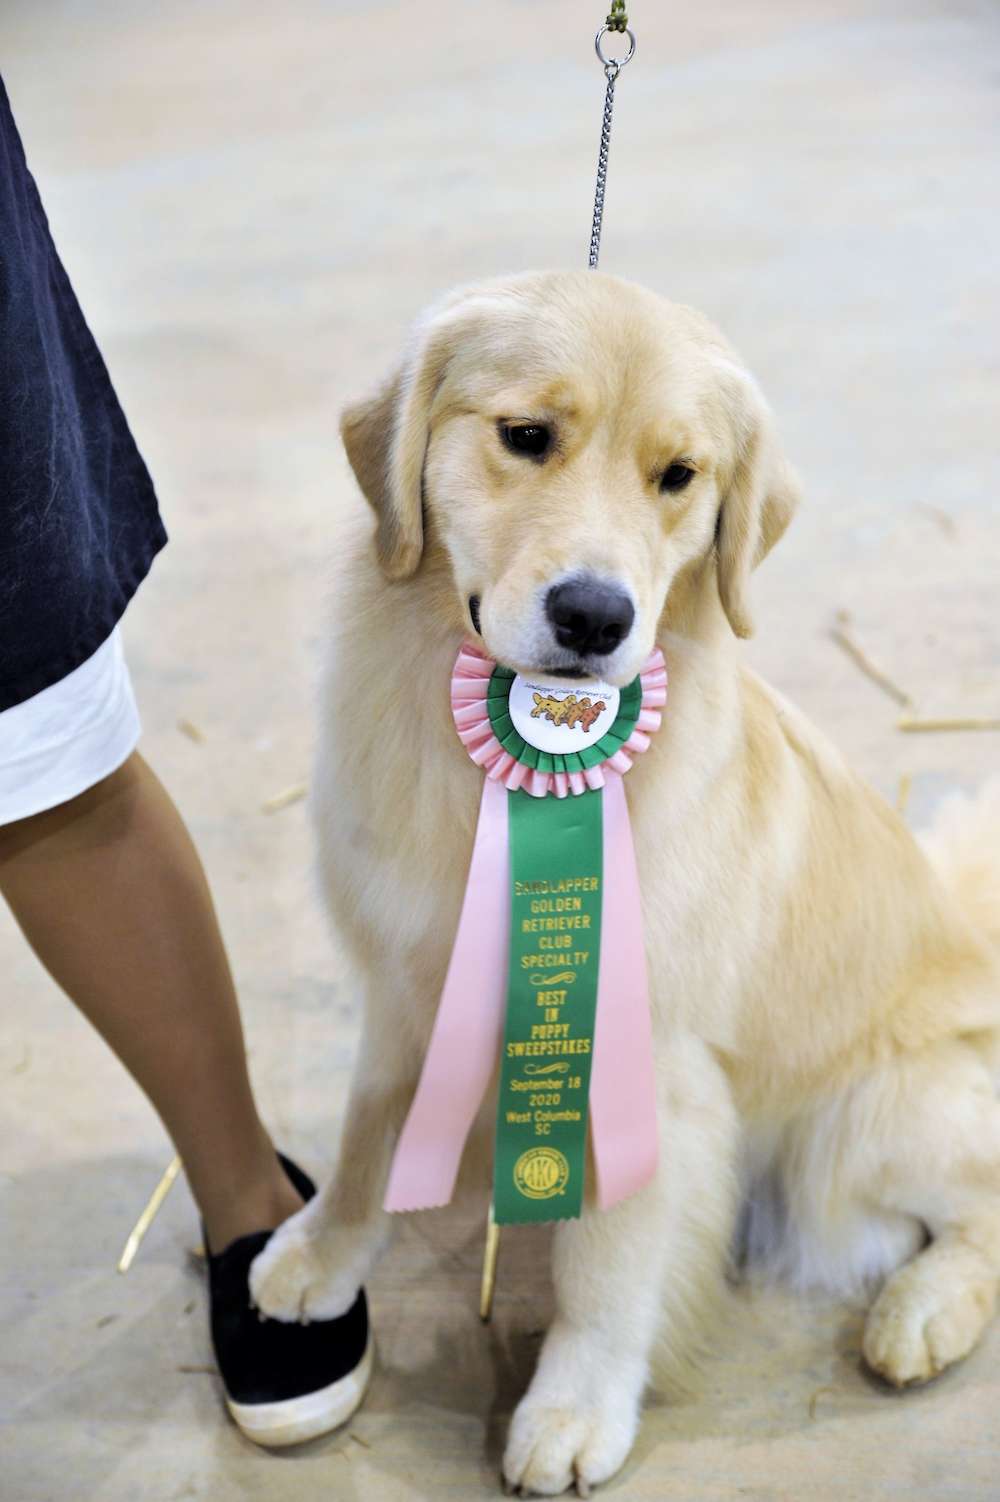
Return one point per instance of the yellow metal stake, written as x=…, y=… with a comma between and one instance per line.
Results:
x=489, y=1267
x=148, y=1215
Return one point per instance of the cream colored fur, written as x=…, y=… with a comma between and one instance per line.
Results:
x=826, y=999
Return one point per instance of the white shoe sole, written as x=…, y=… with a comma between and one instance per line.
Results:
x=294, y=1420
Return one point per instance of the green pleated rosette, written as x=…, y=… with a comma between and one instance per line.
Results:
x=611, y=742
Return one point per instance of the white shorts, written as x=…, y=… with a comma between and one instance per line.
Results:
x=60, y=742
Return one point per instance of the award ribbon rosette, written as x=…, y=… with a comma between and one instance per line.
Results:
x=548, y=970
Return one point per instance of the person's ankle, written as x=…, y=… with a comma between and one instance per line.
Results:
x=262, y=1204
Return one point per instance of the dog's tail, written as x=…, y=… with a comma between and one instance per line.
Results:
x=964, y=846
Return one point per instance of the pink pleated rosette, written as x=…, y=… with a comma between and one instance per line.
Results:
x=473, y=677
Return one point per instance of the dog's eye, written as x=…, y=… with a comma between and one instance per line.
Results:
x=529, y=438
x=676, y=477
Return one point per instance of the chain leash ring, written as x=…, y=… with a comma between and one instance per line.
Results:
x=617, y=62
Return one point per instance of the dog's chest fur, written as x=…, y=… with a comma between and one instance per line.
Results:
x=396, y=801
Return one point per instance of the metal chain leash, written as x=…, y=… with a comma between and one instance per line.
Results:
x=617, y=21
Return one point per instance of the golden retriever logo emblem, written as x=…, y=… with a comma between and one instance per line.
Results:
x=569, y=711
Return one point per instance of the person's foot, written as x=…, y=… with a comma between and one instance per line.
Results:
x=284, y=1383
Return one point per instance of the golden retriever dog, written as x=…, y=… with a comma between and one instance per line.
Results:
x=825, y=992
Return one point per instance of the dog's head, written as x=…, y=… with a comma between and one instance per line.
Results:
x=563, y=449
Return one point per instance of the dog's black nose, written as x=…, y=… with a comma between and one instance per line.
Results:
x=588, y=616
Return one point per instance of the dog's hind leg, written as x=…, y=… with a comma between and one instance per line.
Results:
x=314, y=1264
x=619, y=1274
x=942, y=1136
x=900, y=1175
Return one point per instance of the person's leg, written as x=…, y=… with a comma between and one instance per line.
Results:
x=111, y=895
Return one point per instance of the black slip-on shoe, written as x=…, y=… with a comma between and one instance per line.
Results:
x=284, y=1383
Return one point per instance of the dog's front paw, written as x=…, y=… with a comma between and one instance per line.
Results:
x=550, y=1449
x=918, y=1327
x=301, y=1275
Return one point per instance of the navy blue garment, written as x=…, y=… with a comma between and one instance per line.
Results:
x=79, y=522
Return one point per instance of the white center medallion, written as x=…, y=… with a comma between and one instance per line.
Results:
x=560, y=719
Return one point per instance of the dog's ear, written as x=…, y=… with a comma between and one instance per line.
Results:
x=386, y=441
x=760, y=496
x=367, y=429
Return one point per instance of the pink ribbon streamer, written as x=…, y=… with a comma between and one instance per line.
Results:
x=622, y=1081
x=464, y=1048
x=468, y=1030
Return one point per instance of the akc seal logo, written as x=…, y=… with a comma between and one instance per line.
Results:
x=541, y=1172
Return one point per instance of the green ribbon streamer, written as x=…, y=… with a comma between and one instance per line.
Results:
x=556, y=850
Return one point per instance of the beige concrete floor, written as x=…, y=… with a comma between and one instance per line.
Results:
x=252, y=200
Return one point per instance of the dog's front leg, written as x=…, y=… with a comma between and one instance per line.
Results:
x=314, y=1264
x=624, y=1278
